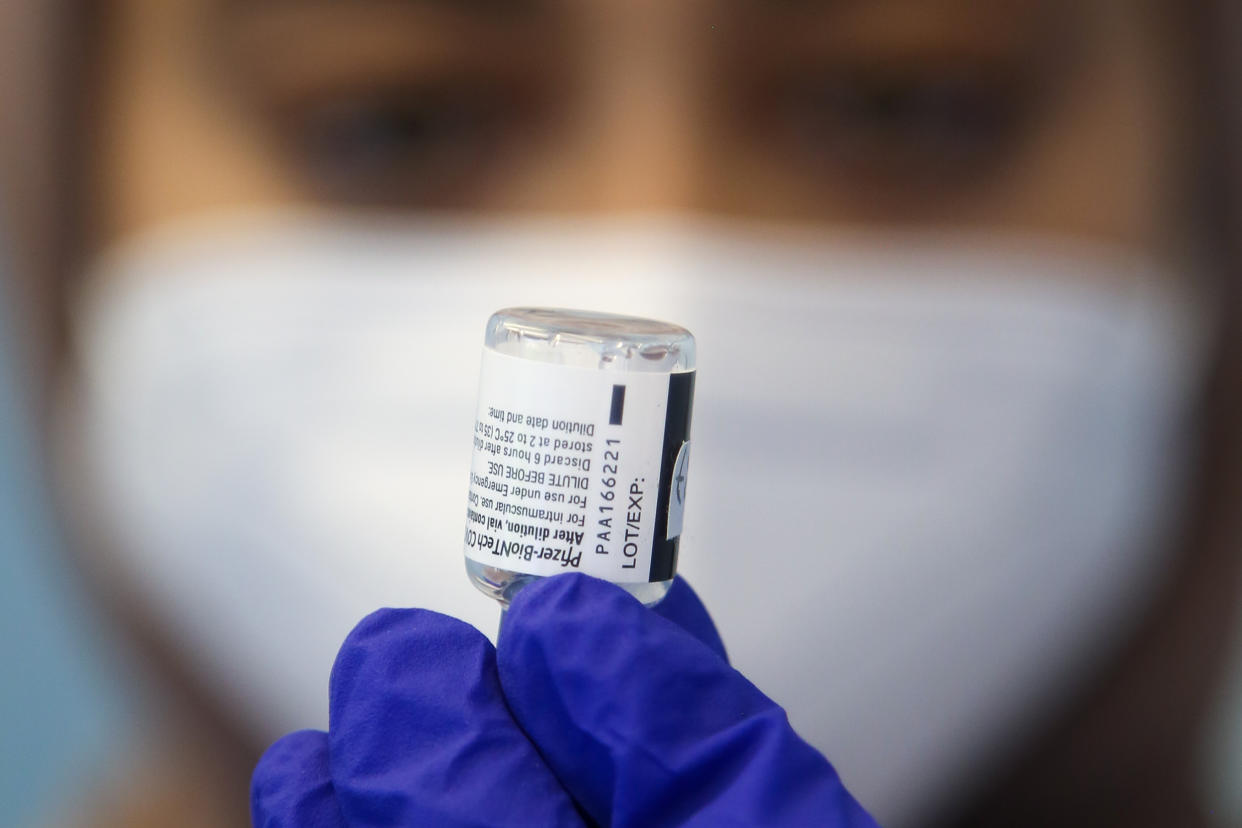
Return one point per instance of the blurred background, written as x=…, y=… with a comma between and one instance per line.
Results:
x=65, y=701
x=155, y=641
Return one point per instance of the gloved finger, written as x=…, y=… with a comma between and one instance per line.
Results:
x=291, y=786
x=682, y=606
x=420, y=733
x=645, y=725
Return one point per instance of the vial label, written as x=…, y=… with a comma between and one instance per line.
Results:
x=576, y=469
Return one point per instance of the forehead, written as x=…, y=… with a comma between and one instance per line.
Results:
x=683, y=39
x=704, y=16
x=502, y=7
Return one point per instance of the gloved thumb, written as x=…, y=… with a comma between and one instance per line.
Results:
x=645, y=724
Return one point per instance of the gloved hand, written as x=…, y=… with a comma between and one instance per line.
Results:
x=592, y=711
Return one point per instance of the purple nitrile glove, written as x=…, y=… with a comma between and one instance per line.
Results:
x=593, y=711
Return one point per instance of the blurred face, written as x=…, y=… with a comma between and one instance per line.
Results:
x=1018, y=114
x=278, y=411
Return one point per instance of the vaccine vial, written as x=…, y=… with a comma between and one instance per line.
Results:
x=581, y=451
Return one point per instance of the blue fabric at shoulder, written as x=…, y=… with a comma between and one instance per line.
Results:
x=63, y=704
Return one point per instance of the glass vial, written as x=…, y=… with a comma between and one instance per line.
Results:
x=581, y=450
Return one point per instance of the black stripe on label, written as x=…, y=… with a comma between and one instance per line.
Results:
x=618, y=405
x=676, y=432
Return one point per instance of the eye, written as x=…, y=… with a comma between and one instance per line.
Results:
x=902, y=125
x=401, y=104
x=399, y=145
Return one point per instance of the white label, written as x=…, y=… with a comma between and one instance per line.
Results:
x=566, y=469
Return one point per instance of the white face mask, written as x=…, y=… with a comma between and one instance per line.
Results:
x=914, y=533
